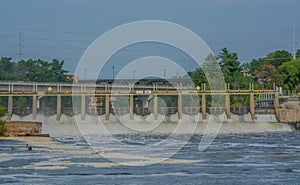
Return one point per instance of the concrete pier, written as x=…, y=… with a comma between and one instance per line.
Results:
x=10, y=107
x=36, y=91
x=179, y=107
x=155, y=107
x=203, y=104
x=83, y=108
x=131, y=106
x=107, y=107
x=288, y=110
x=252, y=106
x=34, y=107
x=227, y=104
x=58, y=108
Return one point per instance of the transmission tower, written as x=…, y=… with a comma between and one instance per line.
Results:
x=294, y=43
x=21, y=44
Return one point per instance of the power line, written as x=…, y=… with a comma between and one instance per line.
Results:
x=51, y=31
x=136, y=50
x=61, y=39
x=58, y=39
x=97, y=33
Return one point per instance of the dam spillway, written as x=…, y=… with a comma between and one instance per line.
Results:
x=104, y=99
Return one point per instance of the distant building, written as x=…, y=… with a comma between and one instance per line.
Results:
x=71, y=77
x=245, y=72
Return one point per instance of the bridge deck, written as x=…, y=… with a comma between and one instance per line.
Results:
x=38, y=90
x=53, y=89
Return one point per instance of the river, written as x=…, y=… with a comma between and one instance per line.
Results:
x=270, y=156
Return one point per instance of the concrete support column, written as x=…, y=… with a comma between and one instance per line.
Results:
x=203, y=104
x=57, y=88
x=58, y=107
x=252, y=106
x=107, y=107
x=131, y=106
x=10, y=107
x=155, y=107
x=179, y=107
x=228, y=113
x=34, y=107
x=276, y=103
x=276, y=100
x=83, y=109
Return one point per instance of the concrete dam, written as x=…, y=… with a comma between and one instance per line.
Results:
x=105, y=100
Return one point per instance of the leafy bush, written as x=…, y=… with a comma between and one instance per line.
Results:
x=2, y=113
x=1, y=127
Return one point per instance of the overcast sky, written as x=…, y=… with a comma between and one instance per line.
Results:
x=63, y=29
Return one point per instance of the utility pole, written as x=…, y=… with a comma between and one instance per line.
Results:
x=294, y=43
x=21, y=44
x=133, y=74
x=113, y=72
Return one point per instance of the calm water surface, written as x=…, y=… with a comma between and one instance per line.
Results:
x=264, y=158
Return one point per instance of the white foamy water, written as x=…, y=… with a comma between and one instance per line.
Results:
x=237, y=124
x=253, y=158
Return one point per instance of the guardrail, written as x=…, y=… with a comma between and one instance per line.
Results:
x=88, y=88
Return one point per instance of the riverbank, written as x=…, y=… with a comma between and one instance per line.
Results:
x=22, y=128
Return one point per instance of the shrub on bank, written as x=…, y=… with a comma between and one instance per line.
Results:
x=1, y=127
x=2, y=114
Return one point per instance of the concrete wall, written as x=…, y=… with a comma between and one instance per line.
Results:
x=20, y=128
x=288, y=115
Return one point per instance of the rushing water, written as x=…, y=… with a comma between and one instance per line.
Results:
x=261, y=158
x=244, y=152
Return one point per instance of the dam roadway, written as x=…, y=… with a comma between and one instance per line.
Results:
x=86, y=91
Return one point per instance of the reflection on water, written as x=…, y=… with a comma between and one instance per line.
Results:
x=249, y=158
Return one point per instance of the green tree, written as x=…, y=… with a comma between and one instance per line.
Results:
x=277, y=58
x=57, y=71
x=213, y=73
x=290, y=74
x=33, y=70
x=229, y=61
x=2, y=113
x=231, y=67
x=267, y=75
x=41, y=71
x=6, y=69
x=298, y=54
x=256, y=63
x=197, y=76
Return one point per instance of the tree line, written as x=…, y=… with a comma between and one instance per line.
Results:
x=32, y=70
x=276, y=67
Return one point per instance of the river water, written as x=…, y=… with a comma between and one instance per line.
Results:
x=271, y=156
